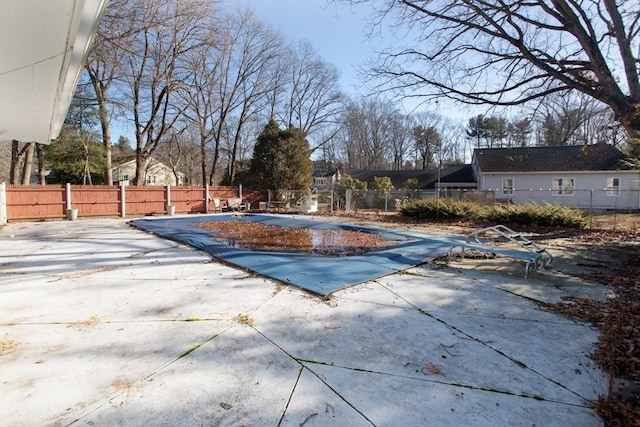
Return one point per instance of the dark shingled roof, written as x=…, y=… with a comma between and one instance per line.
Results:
x=427, y=178
x=597, y=157
x=324, y=173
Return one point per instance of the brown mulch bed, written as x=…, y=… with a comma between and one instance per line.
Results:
x=618, y=320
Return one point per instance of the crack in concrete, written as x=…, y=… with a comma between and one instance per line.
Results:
x=484, y=343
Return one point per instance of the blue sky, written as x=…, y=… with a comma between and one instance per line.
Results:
x=336, y=30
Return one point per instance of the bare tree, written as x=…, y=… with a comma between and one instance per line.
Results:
x=311, y=93
x=600, y=127
x=28, y=163
x=231, y=77
x=520, y=130
x=181, y=152
x=399, y=139
x=202, y=106
x=40, y=156
x=510, y=53
x=104, y=67
x=453, y=149
x=597, y=124
x=562, y=119
x=260, y=52
x=22, y=162
x=366, y=133
x=426, y=137
x=17, y=156
x=154, y=70
x=437, y=140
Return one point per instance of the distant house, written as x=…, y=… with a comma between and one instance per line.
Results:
x=454, y=177
x=325, y=179
x=456, y=181
x=583, y=176
x=156, y=173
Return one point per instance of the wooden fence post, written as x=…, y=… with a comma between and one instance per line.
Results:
x=3, y=204
x=67, y=189
x=123, y=203
x=171, y=210
x=206, y=198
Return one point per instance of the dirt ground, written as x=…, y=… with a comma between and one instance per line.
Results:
x=608, y=252
x=614, y=221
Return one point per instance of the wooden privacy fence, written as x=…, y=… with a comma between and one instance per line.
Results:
x=71, y=201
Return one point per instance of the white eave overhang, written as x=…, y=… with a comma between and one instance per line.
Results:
x=43, y=47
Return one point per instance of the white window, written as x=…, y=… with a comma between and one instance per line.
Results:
x=562, y=186
x=613, y=186
x=151, y=179
x=507, y=186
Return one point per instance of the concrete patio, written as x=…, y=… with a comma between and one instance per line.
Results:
x=102, y=324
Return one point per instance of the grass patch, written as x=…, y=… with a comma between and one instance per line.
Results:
x=243, y=319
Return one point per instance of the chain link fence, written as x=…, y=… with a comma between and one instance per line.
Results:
x=614, y=199
x=362, y=200
x=605, y=209
x=387, y=201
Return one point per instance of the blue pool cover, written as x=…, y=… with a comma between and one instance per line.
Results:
x=319, y=274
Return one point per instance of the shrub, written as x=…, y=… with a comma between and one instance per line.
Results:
x=527, y=214
x=440, y=209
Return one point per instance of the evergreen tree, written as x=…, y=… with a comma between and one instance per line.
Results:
x=478, y=129
x=122, y=151
x=281, y=159
x=75, y=158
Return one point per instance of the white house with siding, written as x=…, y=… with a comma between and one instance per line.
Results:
x=583, y=176
x=156, y=173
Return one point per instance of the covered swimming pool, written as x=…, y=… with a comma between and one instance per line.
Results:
x=319, y=274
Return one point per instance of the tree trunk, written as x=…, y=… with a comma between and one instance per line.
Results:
x=100, y=90
x=40, y=154
x=203, y=159
x=106, y=141
x=234, y=154
x=630, y=120
x=86, y=179
x=14, y=171
x=214, y=164
x=141, y=167
x=106, y=137
x=28, y=163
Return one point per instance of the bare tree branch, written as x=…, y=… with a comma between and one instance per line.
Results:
x=507, y=53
